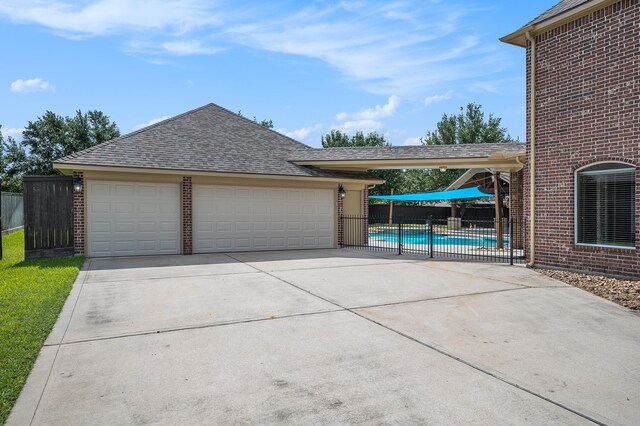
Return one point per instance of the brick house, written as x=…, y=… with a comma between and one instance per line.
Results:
x=582, y=175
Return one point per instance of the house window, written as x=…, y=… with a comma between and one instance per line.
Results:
x=605, y=205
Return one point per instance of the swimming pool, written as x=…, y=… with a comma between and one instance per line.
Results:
x=422, y=237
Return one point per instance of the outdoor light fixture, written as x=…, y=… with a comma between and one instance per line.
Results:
x=341, y=192
x=77, y=184
x=443, y=169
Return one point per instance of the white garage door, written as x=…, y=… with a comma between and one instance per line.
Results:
x=229, y=218
x=132, y=218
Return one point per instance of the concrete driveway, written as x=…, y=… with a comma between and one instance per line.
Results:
x=331, y=337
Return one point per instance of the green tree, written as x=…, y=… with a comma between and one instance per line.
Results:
x=50, y=137
x=338, y=139
x=264, y=123
x=466, y=127
x=10, y=150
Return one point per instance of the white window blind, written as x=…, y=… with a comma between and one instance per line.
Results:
x=606, y=205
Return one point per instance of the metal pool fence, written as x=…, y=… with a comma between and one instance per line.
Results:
x=481, y=240
x=11, y=211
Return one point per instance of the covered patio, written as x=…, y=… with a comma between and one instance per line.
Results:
x=502, y=162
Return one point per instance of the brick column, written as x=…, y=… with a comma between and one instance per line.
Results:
x=365, y=215
x=340, y=220
x=516, y=207
x=78, y=216
x=187, y=216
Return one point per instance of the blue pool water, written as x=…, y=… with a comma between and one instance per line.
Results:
x=423, y=238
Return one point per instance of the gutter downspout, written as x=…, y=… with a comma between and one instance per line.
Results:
x=532, y=158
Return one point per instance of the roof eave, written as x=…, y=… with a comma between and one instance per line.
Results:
x=69, y=168
x=517, y=38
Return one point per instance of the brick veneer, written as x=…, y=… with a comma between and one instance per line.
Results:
x=516, y=206
x=78, y=216
x=588, y=110
x=187, y=216
x=340, y=220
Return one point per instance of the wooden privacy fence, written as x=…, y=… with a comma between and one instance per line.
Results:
x=11, y=210
x=48, y=216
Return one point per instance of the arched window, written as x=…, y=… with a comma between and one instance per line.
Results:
x=605, y=205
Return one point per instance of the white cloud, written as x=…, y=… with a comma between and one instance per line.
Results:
x=30, y=85
x=112, y=16
x=498, y=86
x=412, y=141
x=389, y=48
x=150, y=122
x=375, y=113
x=190, y=47
x=437, y=98
x=359, y=126
x=11, y=131
x=303, y=133
x=177, y=48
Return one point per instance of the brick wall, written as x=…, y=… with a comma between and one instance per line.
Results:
x=588, y=110
x=78, y=216
x=187, y=216
x=516, y=207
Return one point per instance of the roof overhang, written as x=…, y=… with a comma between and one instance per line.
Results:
x=69, y=168
x=499, y=161
x=518, y=37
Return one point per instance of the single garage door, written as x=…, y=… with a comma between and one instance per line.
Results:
x=132, y=218
x=229, y=218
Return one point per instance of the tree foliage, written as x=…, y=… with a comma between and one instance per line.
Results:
x=467, y=127
x=338, y=139
x=48, y=138
x=264, y=123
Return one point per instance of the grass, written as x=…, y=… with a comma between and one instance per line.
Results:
x=32, y=293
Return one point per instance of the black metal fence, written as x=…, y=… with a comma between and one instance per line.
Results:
x=481, y=240
x=476, y=212
x=11, y=211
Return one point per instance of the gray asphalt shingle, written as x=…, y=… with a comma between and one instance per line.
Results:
x=405, y=152
x=209, y=139
x=213, y=139
x=556, y=10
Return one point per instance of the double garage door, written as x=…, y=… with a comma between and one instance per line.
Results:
x=125, y=219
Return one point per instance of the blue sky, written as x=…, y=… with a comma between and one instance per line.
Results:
x=394, y=67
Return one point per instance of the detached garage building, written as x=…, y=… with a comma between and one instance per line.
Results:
x=206, y=181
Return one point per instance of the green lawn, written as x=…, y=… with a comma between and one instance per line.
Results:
x=32, y=293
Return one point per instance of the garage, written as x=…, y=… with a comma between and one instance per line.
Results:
x=230, y=218
x=132, y=218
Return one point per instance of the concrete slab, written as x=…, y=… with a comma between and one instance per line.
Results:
x=311, y=259
x=145, y=267
x=518, y=274
x=329, y=368
x=129, y=307
x=563, y=343
x=25, y=408
x=367, y=285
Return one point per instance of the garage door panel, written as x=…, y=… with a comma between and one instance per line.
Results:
x=243, y=218
x=132, y=218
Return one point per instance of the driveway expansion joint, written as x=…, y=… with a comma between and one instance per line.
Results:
x=438, y=350
x=90, y=282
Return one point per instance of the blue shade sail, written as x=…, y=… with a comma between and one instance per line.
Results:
x=455, y=194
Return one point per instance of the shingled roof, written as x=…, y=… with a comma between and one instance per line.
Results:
x=206, y=139
x=556, y=10
x=425, y=152
x=564, y=7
